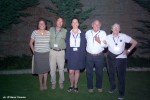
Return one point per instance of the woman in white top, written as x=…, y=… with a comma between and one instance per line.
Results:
x=40, y=46
x=117, y=58
x=75, y=54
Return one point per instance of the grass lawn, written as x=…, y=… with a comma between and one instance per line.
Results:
x=137, y=88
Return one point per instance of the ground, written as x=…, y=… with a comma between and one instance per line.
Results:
x=27, y=87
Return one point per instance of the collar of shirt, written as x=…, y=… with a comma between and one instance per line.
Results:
x=79, y=31
x=57, y=32
x=95, y=33
x=115, y=37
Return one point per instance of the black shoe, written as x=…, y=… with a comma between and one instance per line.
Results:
x=70, y=89
x=76, y=90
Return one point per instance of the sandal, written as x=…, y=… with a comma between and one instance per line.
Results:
x=70, y=89
x=76, y=90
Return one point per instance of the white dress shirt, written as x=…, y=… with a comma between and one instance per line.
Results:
x=116, y=45
x=75, y=39
x=93, y=46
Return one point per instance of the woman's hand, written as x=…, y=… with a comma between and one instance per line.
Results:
x=31, y=44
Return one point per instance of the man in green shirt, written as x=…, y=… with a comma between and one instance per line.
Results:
x=57, y=52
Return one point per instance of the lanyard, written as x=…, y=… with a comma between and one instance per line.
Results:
x=94, y=36
x=75, y=37
x=56, y=34
x=116, y=43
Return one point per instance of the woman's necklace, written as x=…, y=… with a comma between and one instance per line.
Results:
x=41, y=32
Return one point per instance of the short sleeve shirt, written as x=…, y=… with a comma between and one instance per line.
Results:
x=41, y=42
x=116, y=45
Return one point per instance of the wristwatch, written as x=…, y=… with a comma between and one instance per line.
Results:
x=129, y=50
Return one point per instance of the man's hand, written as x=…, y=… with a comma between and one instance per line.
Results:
x=104, y=41
x=97, y=38
x=126, y=52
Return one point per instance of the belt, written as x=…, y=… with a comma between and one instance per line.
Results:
x=57, y=49
x=95, y=54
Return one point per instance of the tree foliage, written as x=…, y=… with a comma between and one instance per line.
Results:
x=145, y=29
x=69, y=9
x=144, y=3
x=10, y=11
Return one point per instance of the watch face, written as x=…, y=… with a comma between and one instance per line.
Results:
x=120, y=40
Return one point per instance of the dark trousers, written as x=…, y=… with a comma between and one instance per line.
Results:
x=98, y=63
x=117, y=66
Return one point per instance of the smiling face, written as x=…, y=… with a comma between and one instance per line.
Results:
x=41, y=25
x=115, y=29
x=59, y=22
x=96, y=25
x=75, y=23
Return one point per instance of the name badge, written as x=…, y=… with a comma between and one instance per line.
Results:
x=75, y=49
x=55, y=45
x=116, y=48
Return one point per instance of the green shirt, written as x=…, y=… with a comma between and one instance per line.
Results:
x=57, y=39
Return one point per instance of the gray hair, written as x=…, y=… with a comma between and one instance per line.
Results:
x=96, y=20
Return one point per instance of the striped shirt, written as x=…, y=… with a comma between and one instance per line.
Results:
x=41, y=42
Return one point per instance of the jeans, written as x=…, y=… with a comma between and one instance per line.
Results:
x=117, y=66
x=98, y=63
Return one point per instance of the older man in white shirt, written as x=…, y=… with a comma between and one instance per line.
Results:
x=117, y=58
x=95, y=57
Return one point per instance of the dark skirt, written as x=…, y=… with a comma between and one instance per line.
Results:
x=76, y=61
x=41, y=63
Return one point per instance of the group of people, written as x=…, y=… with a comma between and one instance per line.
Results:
x=82, y=51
